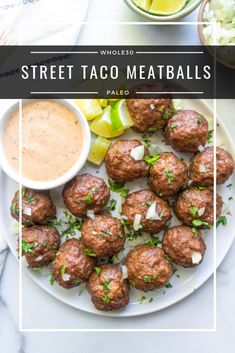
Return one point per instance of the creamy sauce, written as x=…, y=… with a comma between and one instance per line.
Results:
x=51, y=140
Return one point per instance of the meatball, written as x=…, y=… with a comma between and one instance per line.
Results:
x=71, y=265
x=202, y=167
x=148, y=268
x=39, y=245
x=195, y=207
x=186, y=131
x=168, y=175
x=85, y=192
x=184, y=245
x=104, y=235
x=149, y=114
x=120, y=165
x=152, y=211
x=37, y=207
x=108, y=290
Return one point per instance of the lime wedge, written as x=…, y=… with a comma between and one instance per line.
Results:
x=102, y=125
x=98, y=150
x=120, y=117
x=90, y=107
x=166, y=7
x=143, y=4
x=103, y=102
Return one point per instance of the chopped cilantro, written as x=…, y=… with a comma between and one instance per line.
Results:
x=63, y=269
x=28, y=247
x=151, y=160
x=154, y=241
x=198, y=223
x=88, y=199
x=229, y=186
x=52, y=279
x=168, y=285
x=98, y=270
x=195, y=231
x=148, y=203
x=15, y=208
x=142, y=299
x=221, y=220
x=174, y=125
x=107, y=231
x=199, y=119
x=147, y=279
x=106, y=299
x=210, y=136
x=54, y=222
x=169, y=174
x=30, y=198
x=150, y=300
x=118, y=187
x=193, y=210
x=112, y=205
x=89, y=252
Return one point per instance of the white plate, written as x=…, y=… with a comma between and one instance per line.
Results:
x=189, y=280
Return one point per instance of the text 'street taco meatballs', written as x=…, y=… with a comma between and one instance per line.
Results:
x=148, y=268
x=85, y=192
x=195, y=207
x=72, y=265
x=39, y=245
x=145, y=211
x=202, y=167
x=186, y=131
x=108, y=289
x=168, y=175
x=149, y=114
x=184, y=245
x=37, y=207
x=104, y=235
x=124, y=160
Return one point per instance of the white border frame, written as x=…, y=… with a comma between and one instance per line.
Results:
x=214, y=328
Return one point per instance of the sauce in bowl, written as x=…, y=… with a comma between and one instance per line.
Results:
x=52, y=140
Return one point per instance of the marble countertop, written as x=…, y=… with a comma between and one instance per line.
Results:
x=41, y=310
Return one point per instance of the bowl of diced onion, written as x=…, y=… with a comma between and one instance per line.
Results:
x=217, y=28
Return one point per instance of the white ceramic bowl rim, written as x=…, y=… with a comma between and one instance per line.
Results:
x=184, y=12
x=46, y=185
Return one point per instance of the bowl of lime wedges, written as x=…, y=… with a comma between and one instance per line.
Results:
x=163, y=10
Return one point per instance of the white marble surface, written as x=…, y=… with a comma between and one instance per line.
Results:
x=40, y=310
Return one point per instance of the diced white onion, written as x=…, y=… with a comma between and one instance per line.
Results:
x=152, y=214
x=196, y=257
x=200, y=148
x=38, y=258
x=201, y=211
x=137, y=153
x=152, y=107
x=124, y=272
x=202, y=168
x=136, y=224
x=65, y=277
x=90, y=214
x=27, y=211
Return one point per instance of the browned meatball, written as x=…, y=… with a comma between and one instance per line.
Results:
x=184, y=245
x=202, y=167
x=85, y=192
x=71, y=265
x=148, y=268
x=37, y=207
x=149, y=114
x=168, y=175
x=120, y=165
x=104, y=235
x=139, y=203
x=195, y=207
x=186, y=131
x=39, y=245
x=108, y=290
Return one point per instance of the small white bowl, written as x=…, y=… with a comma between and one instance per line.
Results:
x=46, y=185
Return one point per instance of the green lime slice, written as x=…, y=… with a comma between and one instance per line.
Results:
x=120, y=117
